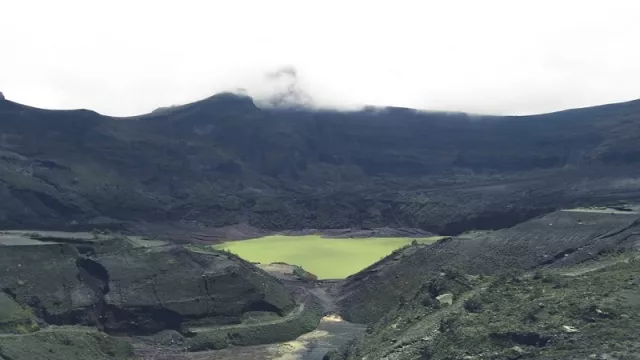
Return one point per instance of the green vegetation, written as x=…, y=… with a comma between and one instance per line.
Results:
x=263, y=332
x=14, y=318
x=328, y=258
x=65, y=343
x=552, y=314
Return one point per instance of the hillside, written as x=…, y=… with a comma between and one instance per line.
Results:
x=561, y=286
x=224, y=166
x=84, y=296
x=131, y=286
x=223, y=161
x=559, y=239
x=588, y=312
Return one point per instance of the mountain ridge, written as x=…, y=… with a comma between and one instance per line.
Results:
x=223, y=161
x=234, y=96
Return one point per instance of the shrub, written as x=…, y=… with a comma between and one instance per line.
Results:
x=26, y=328
x=454, y=273
x=558, y=281
x=474, y=305
x=426, y=353
x=304, y=275
x=449, y=324
x=437, y=286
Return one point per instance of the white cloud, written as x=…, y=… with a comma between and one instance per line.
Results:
x=494, y=56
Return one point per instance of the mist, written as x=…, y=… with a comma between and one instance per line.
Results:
x=495, y=57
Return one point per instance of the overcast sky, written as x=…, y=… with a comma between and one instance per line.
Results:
x=491, y=56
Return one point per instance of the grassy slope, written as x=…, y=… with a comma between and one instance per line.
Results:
x=65, y=343
x=327, y=258
x=303, y=320
x=517, y=317
x=14, y=318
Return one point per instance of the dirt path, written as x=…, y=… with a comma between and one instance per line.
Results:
x=322, y=293
x=294, y=313
x=602, y=264
x=330, y=334
x=53, y=328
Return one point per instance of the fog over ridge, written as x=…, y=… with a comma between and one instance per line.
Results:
x=494, y=57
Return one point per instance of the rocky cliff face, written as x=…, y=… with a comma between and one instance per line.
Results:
x=223, y=161
x=124, y=288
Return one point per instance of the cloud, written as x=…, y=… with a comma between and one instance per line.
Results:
x=283, y=89
x=493, y=56
x=285, y=71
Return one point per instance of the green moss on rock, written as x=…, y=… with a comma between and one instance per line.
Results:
x=14, y=318
x=554, y=314
x=65, y=344
x=286, y=329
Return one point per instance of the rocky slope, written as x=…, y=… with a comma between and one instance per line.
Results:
x=223, y=161
x=58, y=290
x=128, y=289
x=65, y=343
x=585, y=312
x=565, y=285
x=558, y=239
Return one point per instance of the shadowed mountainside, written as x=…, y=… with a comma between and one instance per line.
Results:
x=123, y=287
x=62, y=293
x=224, y=161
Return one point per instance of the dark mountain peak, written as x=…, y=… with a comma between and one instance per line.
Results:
x=230, y=99
x=165, y=109
x=221, y=102
x=1, y=96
